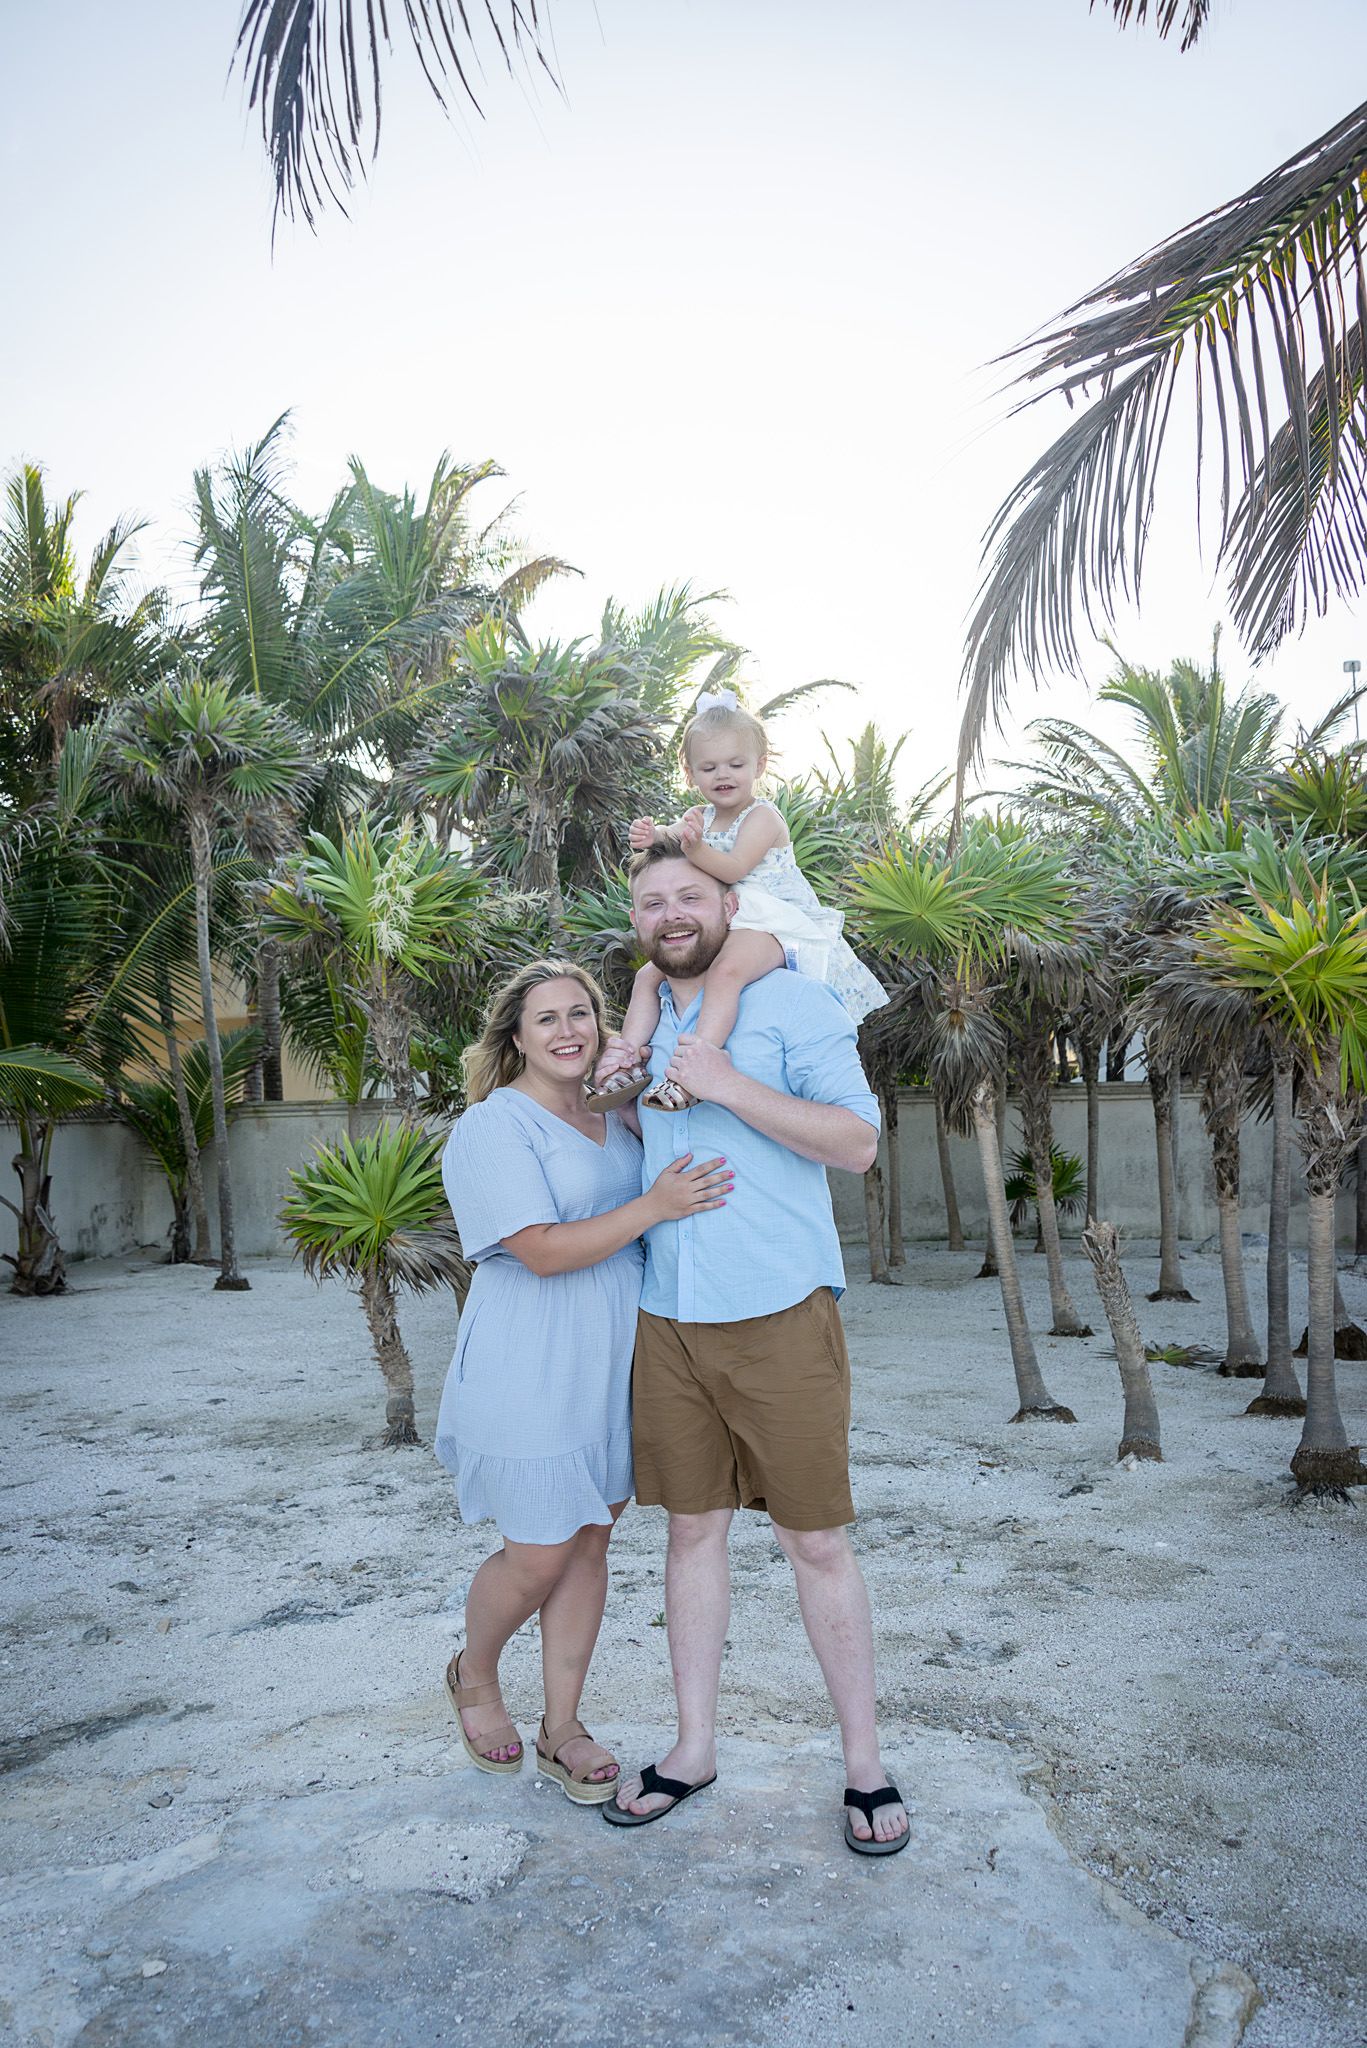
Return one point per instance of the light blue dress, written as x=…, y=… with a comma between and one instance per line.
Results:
x=777, y=897
x=535, y=1419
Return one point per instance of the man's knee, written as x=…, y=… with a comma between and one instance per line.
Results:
x=700, y=1532
x=820, y=1548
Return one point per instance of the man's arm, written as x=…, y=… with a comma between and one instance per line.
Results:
x=822, y=1131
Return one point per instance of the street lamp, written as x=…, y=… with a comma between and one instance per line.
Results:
x=1350, y=668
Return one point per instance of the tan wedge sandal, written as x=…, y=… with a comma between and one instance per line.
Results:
x=578, y=1784
x=497, y=1738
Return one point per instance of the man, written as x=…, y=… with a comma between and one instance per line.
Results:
x=741, y=1382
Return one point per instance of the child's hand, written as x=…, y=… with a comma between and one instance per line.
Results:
x=641, y=834
x=616, y=1057
x=691, y=827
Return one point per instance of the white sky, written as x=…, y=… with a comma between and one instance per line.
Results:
x=721, y=314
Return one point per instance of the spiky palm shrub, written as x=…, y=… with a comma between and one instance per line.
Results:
x=1069, y=1185
x=1306, y=968
x=373, y=1211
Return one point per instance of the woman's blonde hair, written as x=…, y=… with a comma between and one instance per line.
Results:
x=494, y=1060
x=724, y=718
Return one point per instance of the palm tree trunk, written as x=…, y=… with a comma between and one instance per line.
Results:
x=377, y=1296
x=1281, y=1394
x=1117, y=1045
x=268, y=1016
x=1139, y=1437
x=1036, y=1402
x=1170, y=1284
x=1224, y=1099
x=390, y=1032
x=1360, y=1217
x=230, y=1279
x=989, y=1269
x=951, y=1193
x=896, y=1249
x=1324, y=1458
x=1034, y=1061
x=1089, y=1059
x=873, y=1224
x=202, y=1254
x=39, y=1262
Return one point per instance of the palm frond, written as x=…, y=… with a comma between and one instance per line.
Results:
x=1262, y=295
x=1194, y=15
x=316, y=73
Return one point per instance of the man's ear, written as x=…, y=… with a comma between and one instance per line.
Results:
x=632, y=915
x=730, y=903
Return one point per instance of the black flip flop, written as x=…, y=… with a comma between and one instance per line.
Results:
x=674, y=1790
x=867, y=1802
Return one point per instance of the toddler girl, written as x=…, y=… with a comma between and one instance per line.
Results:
x=742, y=841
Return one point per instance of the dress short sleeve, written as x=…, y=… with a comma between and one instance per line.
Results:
x=494, y=1179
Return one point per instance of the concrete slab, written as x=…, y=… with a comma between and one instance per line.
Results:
x=494, y=1911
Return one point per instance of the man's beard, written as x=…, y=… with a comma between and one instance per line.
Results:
x=694, y=960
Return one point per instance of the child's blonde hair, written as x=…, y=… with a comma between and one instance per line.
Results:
x=723, y=714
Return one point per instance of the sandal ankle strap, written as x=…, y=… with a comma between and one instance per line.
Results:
x=556, y=1738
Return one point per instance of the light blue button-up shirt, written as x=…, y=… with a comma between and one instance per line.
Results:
x=775, y=1241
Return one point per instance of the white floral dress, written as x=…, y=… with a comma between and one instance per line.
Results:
x=776, y=897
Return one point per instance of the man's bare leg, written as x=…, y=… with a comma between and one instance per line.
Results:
x=698, y=1605
x=835, y=1613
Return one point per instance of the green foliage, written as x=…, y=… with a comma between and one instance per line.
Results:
x=36, y=1082
x=1070, y=1184
x=148, y=1103
x=964, y=906
x=1306, y=968
x=383, y=900
x=376, y=1204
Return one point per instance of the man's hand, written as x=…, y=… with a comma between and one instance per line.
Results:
x=704, y=1070
x=641, y=834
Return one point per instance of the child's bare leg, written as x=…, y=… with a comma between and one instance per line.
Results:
x=745, y=957
x=617, y=1062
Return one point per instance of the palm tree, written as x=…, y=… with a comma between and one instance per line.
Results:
x=555, y=731
x=955, y=917
x=1139, y=1434
x=150, y=1105
x=1261, y=300
x=1040, y=986
x=69, y=644
x=374, y=1211
x=373, y=913
x=216, y=759
x=1212, y=1029
x=1201, y=751
x=1306, y=970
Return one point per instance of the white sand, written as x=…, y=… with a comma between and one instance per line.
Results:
x=201, y=1527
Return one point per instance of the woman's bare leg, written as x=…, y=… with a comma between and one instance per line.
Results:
x=571, y=1616
x=508, y=1588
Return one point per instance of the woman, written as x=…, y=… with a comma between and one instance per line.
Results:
x=535, y=1420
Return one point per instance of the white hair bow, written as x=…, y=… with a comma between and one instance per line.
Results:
x=709, y=699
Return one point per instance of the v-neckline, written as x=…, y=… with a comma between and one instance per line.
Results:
x=564, y=1121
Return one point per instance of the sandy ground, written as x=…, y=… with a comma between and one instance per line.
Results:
x=1125, y=1707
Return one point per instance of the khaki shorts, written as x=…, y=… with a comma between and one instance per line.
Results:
x=752, y=1414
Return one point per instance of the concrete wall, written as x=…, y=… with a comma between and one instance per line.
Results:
x=109, y=1196
x=1127, y=1172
